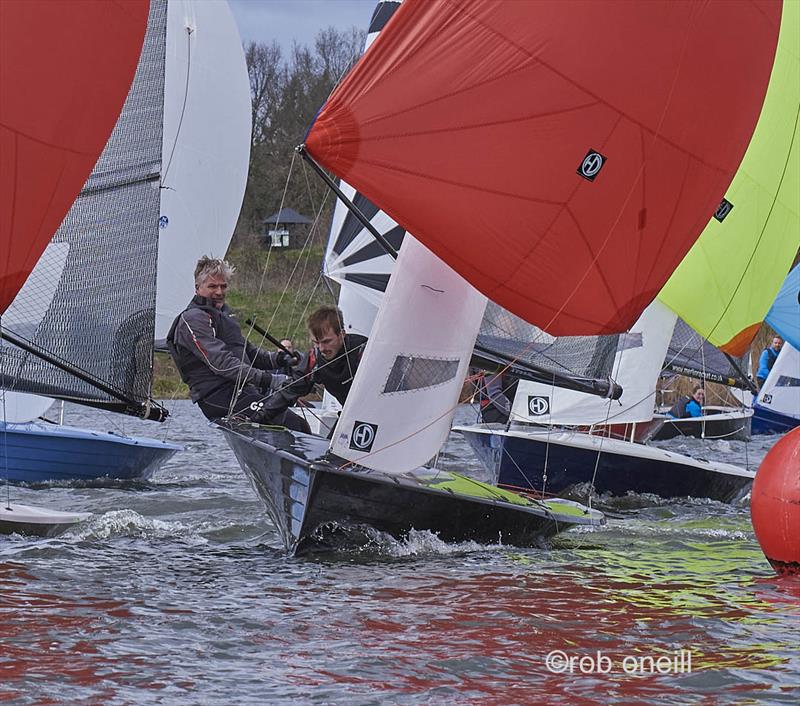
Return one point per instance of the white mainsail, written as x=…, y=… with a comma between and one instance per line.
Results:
x=206, y=152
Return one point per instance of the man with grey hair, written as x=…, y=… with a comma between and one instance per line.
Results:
x=216, y=361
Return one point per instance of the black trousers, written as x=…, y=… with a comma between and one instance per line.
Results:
x=252, y=404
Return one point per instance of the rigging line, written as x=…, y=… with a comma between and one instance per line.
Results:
x=309, y=192
x=189, y=32
x=307, y=249
x=6, y=472
x=303, y=377
x=305, y=308
x=289, y=279
x=320, y=278
x=239, y=385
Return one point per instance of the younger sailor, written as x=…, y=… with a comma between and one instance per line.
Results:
x=225, y=373
x=687, y=406
x=334, y=359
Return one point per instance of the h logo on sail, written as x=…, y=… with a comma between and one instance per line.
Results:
x=363, y=436
x=537, y=406
x=725, y=207
x=591, y=165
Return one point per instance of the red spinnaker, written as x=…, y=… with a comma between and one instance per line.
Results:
x=468, y=121
x=65, y=70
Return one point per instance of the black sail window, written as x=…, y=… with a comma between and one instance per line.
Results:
x=417, y=373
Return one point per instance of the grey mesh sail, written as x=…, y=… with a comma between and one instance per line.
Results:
x=89, y=304
x=691, y=355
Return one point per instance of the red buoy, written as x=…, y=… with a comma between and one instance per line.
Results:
x=775, y=505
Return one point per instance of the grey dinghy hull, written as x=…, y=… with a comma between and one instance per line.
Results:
x=37, y=521
x=309, y=498
x=717, y=423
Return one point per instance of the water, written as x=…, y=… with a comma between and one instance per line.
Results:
x=175, y=592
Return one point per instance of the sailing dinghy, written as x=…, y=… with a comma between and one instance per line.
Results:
x=575, y=243
x=192, y=81
x=50, y=140
x=558, y=439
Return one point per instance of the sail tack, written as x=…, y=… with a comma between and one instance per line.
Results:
x=727, y=282
x=554, y=153
x=65, y=70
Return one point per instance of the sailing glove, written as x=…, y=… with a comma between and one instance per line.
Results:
x=272, y=382
x=287, y=360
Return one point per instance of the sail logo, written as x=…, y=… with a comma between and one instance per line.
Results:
x=725, y=207
x=591, y=165
x=537, y=406
x=363, y=436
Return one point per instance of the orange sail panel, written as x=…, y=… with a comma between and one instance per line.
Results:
x=65, y=70
x=561, y=156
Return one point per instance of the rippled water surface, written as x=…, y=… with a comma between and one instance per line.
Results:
x=175, y=592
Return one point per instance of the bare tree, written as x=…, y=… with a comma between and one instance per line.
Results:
x=286, y=95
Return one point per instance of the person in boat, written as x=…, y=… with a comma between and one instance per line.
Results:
x=688, y=406
x=220, y=367
x=493, y=396
x=334, y=359
x=768, y=357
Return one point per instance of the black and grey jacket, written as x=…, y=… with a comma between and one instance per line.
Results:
x=337, y=375
x=210, y=352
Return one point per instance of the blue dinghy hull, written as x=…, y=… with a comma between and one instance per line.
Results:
x=43, y=453
x=765, y=421
x=517, y=459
